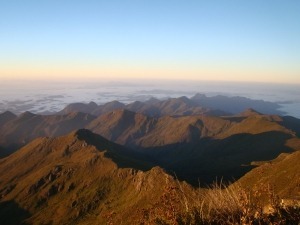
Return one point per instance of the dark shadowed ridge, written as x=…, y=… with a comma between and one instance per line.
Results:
x=228, y=159
x=12, y=214
x=122, y=156
x=6, y=117
x=291, y=123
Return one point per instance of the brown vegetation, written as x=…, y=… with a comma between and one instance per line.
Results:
x=219, y=204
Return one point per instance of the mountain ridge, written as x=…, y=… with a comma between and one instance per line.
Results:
x=197, y=104
x=172, y=141
x=58, y=181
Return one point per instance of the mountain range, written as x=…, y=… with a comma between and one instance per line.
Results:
x=198, y=104
x=89, y=164
x=184, y=145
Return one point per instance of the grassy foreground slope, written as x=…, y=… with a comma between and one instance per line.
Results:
x=281, y=174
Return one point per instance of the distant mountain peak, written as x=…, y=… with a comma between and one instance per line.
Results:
x=27, y=114
x=198, y=96
x=114, y=103
x=8, y=114
x=184, y=99
x=152, y=100
x=250, y=112
x=79, y=107
x=123, y=113
x=92, y=104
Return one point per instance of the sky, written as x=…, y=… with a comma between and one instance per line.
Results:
x=228, y=40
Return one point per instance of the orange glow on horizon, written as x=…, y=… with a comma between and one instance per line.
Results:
x=172, y=72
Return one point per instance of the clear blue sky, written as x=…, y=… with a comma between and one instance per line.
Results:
x=251, y=40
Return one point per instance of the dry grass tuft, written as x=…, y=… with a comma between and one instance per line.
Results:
x=220, y=204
